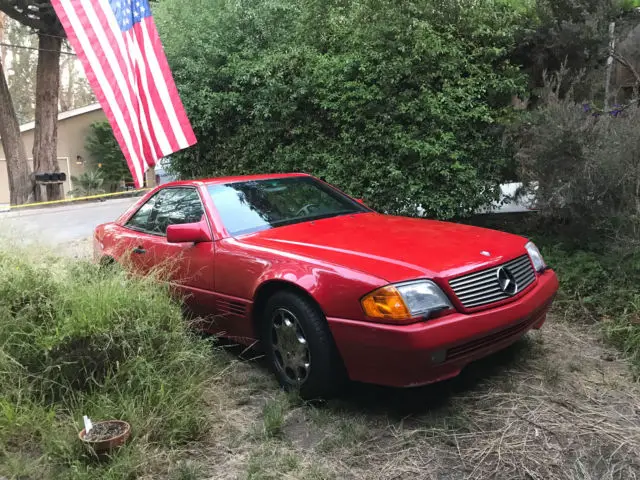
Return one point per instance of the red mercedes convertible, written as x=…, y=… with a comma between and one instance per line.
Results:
x=329, y=288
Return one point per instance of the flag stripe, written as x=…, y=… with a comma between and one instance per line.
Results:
x=120, y=50
x=172, y=144
x=80, y=42
x=162, y=132
x=190, y=137
x=110, y=26
x=112, y=67
x=150, y=47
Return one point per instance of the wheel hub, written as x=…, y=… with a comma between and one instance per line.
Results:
x=290, y=346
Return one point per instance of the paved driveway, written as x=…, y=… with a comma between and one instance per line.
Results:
x=60, y=228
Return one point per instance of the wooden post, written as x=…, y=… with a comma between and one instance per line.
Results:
x=151, y=177
x=612, y=48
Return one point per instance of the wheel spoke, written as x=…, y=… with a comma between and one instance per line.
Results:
x=289, y=345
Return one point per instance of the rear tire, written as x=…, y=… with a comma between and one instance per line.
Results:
x=299, y=346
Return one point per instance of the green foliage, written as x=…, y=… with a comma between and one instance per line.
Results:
x=401, y=104
x=603, y=287
x=585, y=166
x=627, y=5
x=573, y=33
x=273, y=415
x=105, y=151
x=78, y=340
x=21, y=77
x=87, y=183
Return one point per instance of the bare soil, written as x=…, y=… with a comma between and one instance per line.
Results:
x=105, y=431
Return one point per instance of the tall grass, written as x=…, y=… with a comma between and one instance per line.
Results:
x=78, y=340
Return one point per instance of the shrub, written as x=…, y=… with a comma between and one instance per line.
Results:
x=585, y=166
x=79, y=340
x=104, y=151
x=87, y=183
x=399, y=104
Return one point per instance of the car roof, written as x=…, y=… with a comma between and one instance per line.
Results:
x=240, y=178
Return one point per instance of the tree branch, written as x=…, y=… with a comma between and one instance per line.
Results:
x=625, y=63
x=38, y=15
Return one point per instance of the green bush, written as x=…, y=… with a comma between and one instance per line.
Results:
x=602, y=287
x=585, y=167
x=398, y=103
x=79, y=340
x=106, y=154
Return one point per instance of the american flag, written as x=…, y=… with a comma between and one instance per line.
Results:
x=120, y=50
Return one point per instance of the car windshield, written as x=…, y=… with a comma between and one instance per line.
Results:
x=252, y=206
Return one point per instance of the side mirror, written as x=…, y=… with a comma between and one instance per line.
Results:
x=189, y=233
x=359, y=200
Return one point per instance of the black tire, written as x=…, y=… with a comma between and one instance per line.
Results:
x=325, y=373
x=107, y=263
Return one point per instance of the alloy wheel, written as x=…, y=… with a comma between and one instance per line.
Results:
x=290, y=347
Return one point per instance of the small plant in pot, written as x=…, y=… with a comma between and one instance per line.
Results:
x=105, y=436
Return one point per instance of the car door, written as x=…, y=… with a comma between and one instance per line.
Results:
x=188, y=267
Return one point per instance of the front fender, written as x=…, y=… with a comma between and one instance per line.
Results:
x=241, y=270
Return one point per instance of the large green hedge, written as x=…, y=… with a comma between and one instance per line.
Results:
x=398, y=102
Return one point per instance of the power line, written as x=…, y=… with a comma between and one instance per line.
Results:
x=36, y=49
x=49, y=35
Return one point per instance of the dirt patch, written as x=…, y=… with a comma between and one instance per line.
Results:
x=105, y=431
x=558, y=404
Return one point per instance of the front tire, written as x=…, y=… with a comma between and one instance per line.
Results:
x=299, y=346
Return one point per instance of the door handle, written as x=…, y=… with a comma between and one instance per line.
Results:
x=139, y=250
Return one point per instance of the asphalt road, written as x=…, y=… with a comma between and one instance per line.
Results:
x=61, y=226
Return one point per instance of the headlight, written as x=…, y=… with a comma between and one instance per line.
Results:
x=405, y=301
x=536, y=257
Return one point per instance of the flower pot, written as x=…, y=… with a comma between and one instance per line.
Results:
x=106, y=436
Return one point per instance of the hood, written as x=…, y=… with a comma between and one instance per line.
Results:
x=393, y=248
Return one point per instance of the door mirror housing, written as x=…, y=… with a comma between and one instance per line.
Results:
x=359, y=200
x=189, y=232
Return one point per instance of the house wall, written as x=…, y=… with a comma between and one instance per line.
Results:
x=72, y=134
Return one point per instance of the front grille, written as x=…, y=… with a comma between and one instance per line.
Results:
x=482, y=288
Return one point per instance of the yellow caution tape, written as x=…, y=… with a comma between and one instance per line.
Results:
x=78, y=199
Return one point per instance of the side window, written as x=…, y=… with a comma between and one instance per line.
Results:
x=170, y=206
x=179, y=205
x=141, y=220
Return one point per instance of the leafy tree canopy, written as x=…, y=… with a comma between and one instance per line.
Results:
x=400, y=103
x=107, y=156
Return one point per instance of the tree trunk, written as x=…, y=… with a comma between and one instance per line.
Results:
x=3, y=49
x=45, y=142
x=18, y=170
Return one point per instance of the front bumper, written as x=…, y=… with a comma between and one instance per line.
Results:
x=434, y=350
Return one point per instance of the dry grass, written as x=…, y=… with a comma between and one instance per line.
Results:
x=557, y=405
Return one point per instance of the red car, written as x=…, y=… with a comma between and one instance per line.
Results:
x=329, y=287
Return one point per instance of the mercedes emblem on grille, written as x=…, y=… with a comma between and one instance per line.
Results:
x=506, y=281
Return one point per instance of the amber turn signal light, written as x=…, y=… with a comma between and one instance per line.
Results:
x=385, y=303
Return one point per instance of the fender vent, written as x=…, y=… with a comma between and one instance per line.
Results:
x=228, y=307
